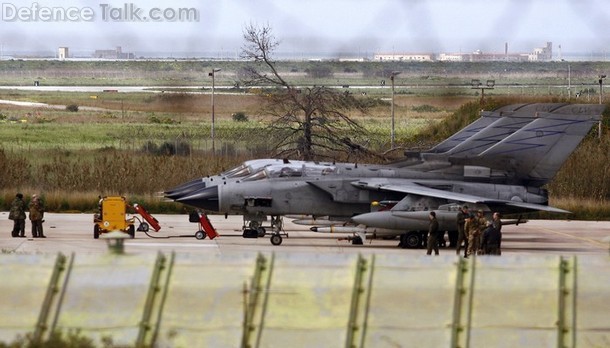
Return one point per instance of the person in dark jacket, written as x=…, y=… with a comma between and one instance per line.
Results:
x=17, y=214
x=492, y=237
x=433, y=234
x=36, y=215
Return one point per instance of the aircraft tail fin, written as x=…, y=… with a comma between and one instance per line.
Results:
x=535, y=152
x=465, y=133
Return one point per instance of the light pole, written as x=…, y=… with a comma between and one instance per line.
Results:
x=213, y=74
x=601, y=88
x=601, y=97
x=476, y=84
x=392, y=134
x=569, y=83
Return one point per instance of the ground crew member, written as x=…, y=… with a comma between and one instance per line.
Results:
x=477, y=226
x=36, y=215
x=492, y=238
x=462, y=215
x=483, y=225
x=433, y=234
x=17, y=214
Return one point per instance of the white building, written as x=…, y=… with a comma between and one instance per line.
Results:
x=404, y=57
x=451, y=57
x=63, y=53
x=542, y=54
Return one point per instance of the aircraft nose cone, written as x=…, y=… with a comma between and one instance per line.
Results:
x=206, y=198
x=185, y=189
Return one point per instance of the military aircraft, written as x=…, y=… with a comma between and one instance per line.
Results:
x=500, y=162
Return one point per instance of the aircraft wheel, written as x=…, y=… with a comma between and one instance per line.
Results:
x=357, y=241
x=411, y=240
x=199, y=235
x=261, y=231
x=276, y=239
x=96, y=231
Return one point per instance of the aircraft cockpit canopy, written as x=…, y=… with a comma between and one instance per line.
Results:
x=291, y=170
x=249, y=167
x=236, y=172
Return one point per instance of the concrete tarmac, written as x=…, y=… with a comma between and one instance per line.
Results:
x=67, y=233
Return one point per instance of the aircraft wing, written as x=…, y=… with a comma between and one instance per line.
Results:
x=420, y=190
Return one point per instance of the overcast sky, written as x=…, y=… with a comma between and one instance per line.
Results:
x=302, y=26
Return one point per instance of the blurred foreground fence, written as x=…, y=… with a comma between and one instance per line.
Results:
x=309, y=300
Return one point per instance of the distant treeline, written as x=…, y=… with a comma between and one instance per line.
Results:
x=195, y=72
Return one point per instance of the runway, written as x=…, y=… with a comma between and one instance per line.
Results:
x=68, y=233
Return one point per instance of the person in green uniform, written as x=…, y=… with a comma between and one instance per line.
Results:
x=17, y=214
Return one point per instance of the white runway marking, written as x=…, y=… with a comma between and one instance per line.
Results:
x=181, y=245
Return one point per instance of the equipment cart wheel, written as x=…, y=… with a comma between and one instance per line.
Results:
x=276, y=239
x=144, y=227
x=96, y=231
x=261, y=232
x=131, y=231
x=200, y=235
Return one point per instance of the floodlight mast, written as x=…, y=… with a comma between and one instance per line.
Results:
x=476, y=84
x=601, y=99
x=393, y=134
x=601, y=88
x=213, y=75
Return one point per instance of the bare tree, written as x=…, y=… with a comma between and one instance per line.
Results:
x=310, y=122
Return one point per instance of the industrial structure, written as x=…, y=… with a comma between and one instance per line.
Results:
x=113, y=54
x=539, y=54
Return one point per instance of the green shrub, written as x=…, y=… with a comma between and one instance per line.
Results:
x=425, y=108
x=72, y=108
x=240, y=117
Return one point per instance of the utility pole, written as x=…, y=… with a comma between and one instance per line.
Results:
x=213, y=75
x=476, y=84
x=601, y=88
x=393, y=134
x=601, y=99
x=569, y=83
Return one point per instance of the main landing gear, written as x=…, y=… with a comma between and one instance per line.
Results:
x=412, y=240
x=255, y=229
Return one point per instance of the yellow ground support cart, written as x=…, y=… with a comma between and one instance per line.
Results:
x=111, y=217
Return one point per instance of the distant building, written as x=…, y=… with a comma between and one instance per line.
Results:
x=479, y=56
x=405, y=57
x=63, y=53
x=113, y=54
x=352, y=59
x=451, y=57
x=538, y=55
x=542, y=54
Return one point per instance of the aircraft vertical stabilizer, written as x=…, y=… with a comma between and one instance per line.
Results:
x=537, y=151
x=481, y=123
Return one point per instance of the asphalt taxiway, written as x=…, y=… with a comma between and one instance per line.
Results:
x=69, y=233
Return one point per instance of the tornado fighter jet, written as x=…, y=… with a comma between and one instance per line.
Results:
x=500, y=162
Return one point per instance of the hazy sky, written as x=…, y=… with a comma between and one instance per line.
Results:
x=332, y=26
